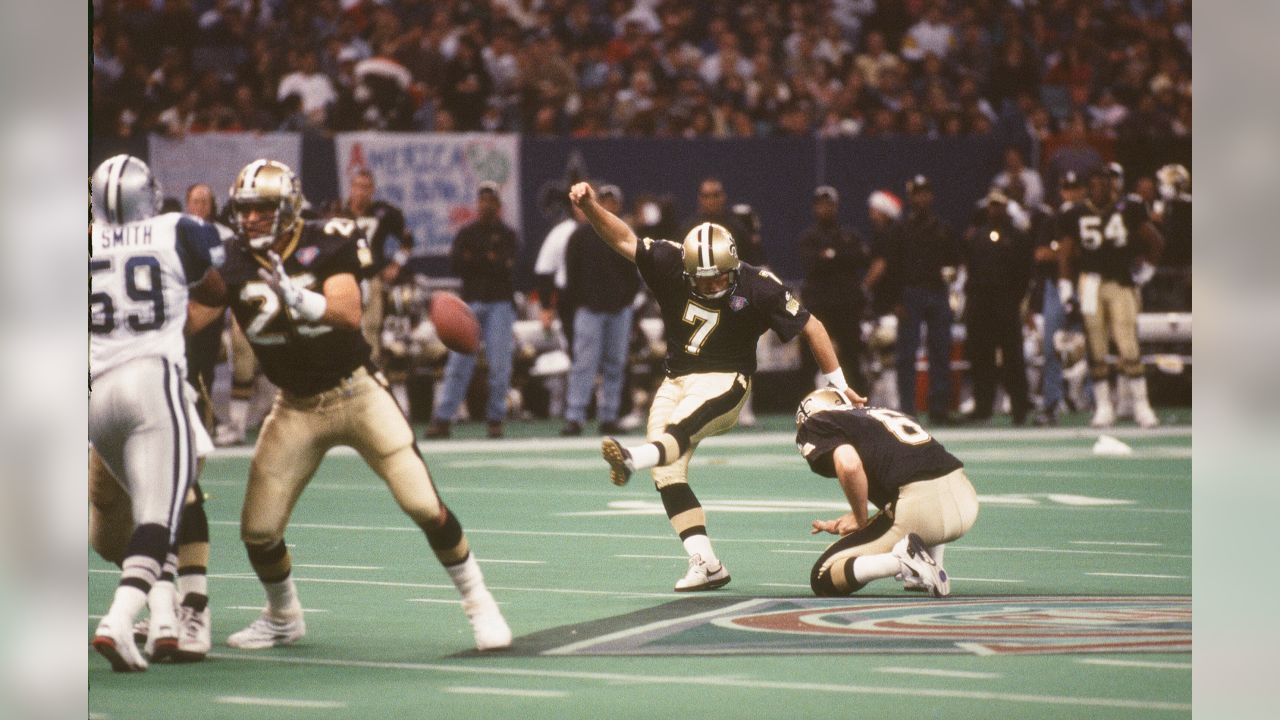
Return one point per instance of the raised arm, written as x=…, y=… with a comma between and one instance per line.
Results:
x=608, y=226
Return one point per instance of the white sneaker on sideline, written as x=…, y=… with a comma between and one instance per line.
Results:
x=490, y=628
x=1145, y=416
x=114, y=641
x=269, y=631
x=702, y=576
x=913, y=556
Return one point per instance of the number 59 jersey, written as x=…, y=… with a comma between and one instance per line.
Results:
x=139, y=273
x=301, y=357
x=894, y=449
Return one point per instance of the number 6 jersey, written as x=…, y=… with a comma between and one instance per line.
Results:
x=138, y=279
x=894, y=449
x=300, y=357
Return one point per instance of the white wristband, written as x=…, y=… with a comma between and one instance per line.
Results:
x=836, y=379
x=310, y=306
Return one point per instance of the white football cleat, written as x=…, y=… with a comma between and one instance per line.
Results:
x=489, y=627
x=1104, y=416
x=702, y=576
x=162, y=631
x=1145, y=416
x=911, y=582
x=114, y=641
x=913, y=556
x=269, y=631
x=621, y=465
x=194, y=634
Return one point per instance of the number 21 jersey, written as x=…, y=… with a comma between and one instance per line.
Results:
x=300, y=357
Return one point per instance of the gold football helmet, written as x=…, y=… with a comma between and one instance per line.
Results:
x=266, y=186
x=1174, y=180
x=818, y=401
x=709, y=254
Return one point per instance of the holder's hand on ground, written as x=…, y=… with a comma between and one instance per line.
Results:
x=842, y=525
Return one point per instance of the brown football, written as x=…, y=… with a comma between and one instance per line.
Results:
x=455, y=323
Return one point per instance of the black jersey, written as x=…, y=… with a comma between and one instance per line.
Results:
x=716, y=335
x=894, y=449
x=1106, y=238
x=301, y=357
x=384, y=231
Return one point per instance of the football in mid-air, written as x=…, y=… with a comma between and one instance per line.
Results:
x=455, y=323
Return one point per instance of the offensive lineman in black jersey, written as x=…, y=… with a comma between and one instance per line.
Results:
x=1113, y=246
x=292, y=285
x=923, y=495
x=714, y=310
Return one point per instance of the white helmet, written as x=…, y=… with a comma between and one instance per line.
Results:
x=124, y=191
x=819, y=401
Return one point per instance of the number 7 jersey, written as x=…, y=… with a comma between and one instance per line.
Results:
x=139, y=273
x=300, y=357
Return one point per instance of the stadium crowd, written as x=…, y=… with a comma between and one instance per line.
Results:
x=639, y=68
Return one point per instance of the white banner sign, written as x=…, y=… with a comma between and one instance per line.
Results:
x=433, y=178
x=216, y=158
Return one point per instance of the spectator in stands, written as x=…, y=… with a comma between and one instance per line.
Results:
x=1076, y=155
x=601, y=285
x=483, y=256
x=835, y=259
x=313, y=88
x=1016, y=167
x=466, y=85
x=998, y=257
x=932, y=34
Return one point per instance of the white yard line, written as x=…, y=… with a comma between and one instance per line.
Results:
x=258, y=608
x=1118, y=544
x=1138, y=575
x=628, y=632
x=940, y=673
x=512, y=692
x=338, y=567
x=755, y=440
x=1136, y=664
x=809, y=688
x=279, y=702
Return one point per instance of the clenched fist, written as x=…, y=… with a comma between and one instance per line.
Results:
x=582, y=194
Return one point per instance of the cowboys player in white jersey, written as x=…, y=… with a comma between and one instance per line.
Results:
x=142, y=269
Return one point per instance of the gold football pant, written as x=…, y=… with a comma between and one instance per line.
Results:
x=939, y=511
x=371, y=318
x=1113, y=316
x=360, y=413
x=686, y=410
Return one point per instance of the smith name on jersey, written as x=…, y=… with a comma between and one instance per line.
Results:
x=717, y=335
x=300, y=357
x=894, y=449
x=1106, y=238
x=139, y=273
